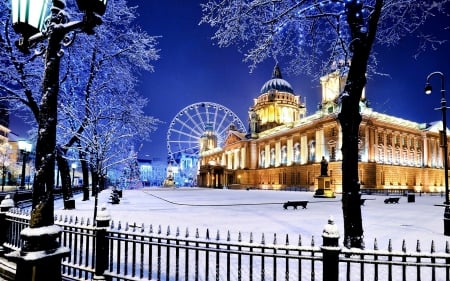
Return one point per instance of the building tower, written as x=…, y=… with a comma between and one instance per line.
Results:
x=277, y=104
x=208, y=140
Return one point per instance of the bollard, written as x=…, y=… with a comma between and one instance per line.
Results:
x=102, y=251
x=447, y=220
x=330, y=249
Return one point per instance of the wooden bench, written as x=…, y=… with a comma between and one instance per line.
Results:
x=295, y=204
x=391, y=200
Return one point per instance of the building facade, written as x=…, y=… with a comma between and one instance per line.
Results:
x=284, y=147
x=11, y=160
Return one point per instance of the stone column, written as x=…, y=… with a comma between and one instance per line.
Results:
x=6, y=204
x=102, y=250
x=277, y=153
x=330, y=249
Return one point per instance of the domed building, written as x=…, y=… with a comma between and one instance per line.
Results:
x=284, y=146
x=276, y=105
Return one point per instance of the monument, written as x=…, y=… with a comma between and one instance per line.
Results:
x=324, y=189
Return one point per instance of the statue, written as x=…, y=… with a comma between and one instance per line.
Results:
x=323, y=167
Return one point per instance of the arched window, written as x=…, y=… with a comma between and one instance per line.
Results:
x=272, y=157
x=389, y=159
x=262, y=159
x=405, y=157
x=296, y=152
x=312, y=151
x=380, y=154
x=283, y=159
x=397, y=157
x=411, y=158
x=419, y=158
x=332, y=150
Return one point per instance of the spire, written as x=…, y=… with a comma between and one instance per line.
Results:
x=276, y=72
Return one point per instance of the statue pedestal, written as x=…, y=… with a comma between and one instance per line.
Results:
x=324, y=189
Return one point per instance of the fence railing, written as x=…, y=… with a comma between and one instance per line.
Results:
x=80, y=237
x=132, y=252
x=392, y=264
x=144, y=254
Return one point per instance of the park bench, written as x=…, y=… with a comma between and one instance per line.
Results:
x=295, y=204
x=391, y=200
x=363, y=200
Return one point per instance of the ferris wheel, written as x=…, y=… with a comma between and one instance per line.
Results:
x=190, y=123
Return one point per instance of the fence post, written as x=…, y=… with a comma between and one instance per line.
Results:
x=330, y=250
x=6, y=204
x=101, y=243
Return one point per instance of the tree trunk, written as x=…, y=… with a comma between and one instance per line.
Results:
x=64, y=169
x=95, y=180
x=85, y=172
x=101, y=182
x=350, y=117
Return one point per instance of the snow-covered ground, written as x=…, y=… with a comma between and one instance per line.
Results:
x=261, y=211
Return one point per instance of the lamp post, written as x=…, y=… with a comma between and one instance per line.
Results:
x=443, y=108
x=41, y=253
x=74, y=166
x=25, y=149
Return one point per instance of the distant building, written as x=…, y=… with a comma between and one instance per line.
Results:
x=152, y=171
x=11, y=159
x=284, y=146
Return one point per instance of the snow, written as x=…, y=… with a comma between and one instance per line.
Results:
x=255, y=214
x=53, y=230
x=330, y=230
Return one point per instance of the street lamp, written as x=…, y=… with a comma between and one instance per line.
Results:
x=25, y=149
x=74, y=166
x=443, y=108
x=28, y=18
x=40, y=256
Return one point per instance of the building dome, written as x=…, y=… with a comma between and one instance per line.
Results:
x=276, y=105
x=277, y=83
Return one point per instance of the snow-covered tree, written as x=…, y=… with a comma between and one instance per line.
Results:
x=313, y=35
x=115, y=123
x=106, y=64
x=5, y=161
x=100, y=76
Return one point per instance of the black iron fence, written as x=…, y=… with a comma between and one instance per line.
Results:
x=139, y=252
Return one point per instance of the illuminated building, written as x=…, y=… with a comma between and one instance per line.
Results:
x=284, y=146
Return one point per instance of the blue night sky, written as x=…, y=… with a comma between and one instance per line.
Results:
x=192, y=69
